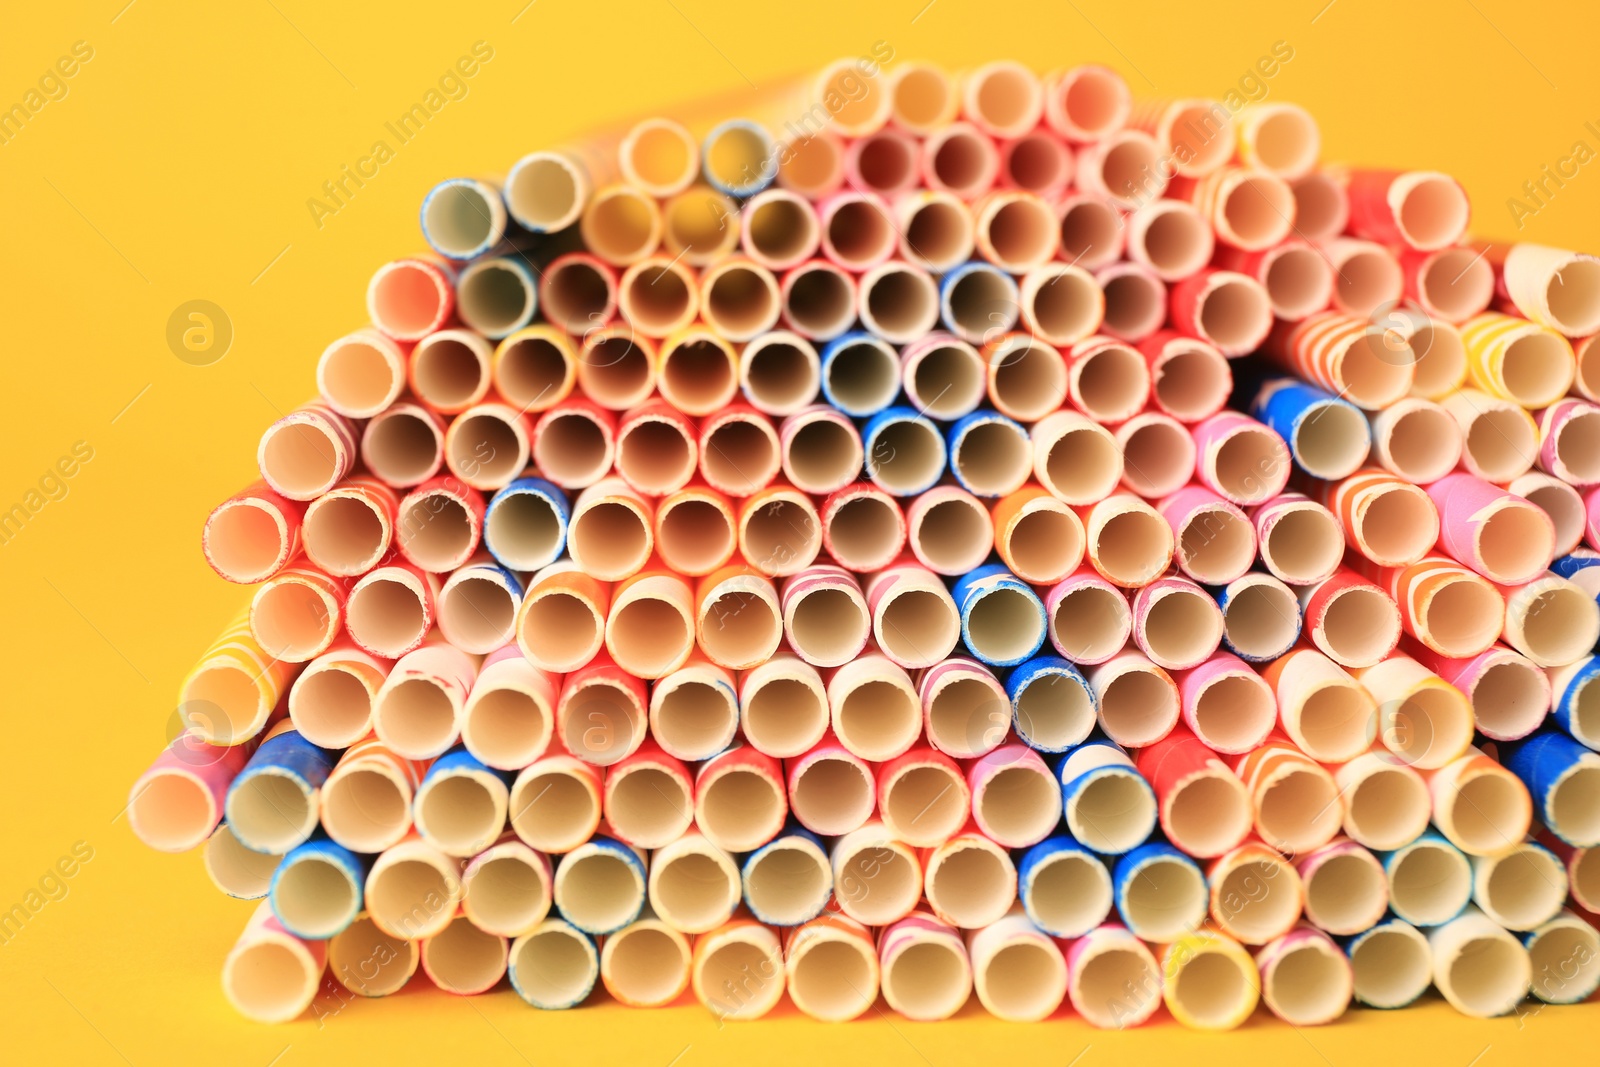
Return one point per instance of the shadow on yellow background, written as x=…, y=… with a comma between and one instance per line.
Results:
x=175, y=163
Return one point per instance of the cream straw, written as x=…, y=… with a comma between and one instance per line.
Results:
x=1386, y=803
x=694, y=530
x=1416, y=439
x=1370, y=278
x=1346, y=890
x=1563, y=955
x=449, y=370
x=1077, y=460
x=1128, y=541
x=1321, y=206
x=738, y=620
x=1500, y=441
x=331, y=702
x=555, y=803
x=650, y=631
x=463, y=959
x=694, y=885
x=555, y=966
x=239, y=872
x=1027, y=379
x=1392, y=964
x=1478, y=967
x=779, y=373
x=738, y=970
x=535, y=368
x=1554, y=287
x=1018, y=972
x=1112, y=978
x=875, y=708
x=271, y=976
x=1137, y=700
x=1521, y=889
x=369, y=962
x=574, y=443
x=1550, y=620
x=877, y=879
x=361, y=374
x=417, y=712
x=645, y=964
x=506, y=888
x=969, y=881
x=365, y=805
x=1169, y=238
x=693, y=711
x=412, y=890
x=831, y=967
x=488, y=445
x=926, y=972
x=1158, y=454
x=1423, y=720
x=1559, y=501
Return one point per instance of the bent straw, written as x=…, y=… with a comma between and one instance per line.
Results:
x=1296, y=802
x=365, y=805
x=831, y=968
x=361, y=374
x=1521, y=889
x=600, y=886
x=417, y=712
x=1328, y=437
x=1107, y=805
x=1256, y=896
x=1090, y=620
x=1112, y=978
x=1478, y=967
x=1430, y=880
x=1391, y=963
x=693, y=711
x=349, y=529
x=1205, y=810
x=645, y=964
x=1019, y=972
x=331, y=702
x=271, y=976
x=252, y=535
x=927, y=974
x=1209, y=981
x=1160, y=892
x=738, y=970
x=1422, y=719
x=506, y=888
x=1305, y=979
x=783, y=706
x=648, y=798
x=1327, y=714
x=178, y=801
x=1064, y=888
x=460, y=807
x=555, y=803
x=788, y=881
x=413, y=890
x=555, y=966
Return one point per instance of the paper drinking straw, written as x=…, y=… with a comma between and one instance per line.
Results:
x=1348, y=356
x=417, y=712
x=739, y=800
x=658, y=296
x=1282, y=139
x=330, y=702
x=969, y=881
x=976, y=300
x=831, y=968
x=1226, y=704
x=1517, y=360
x=1586, y=378
x=899, y=301
x=611, y=534
x=1176, y=623
x=253, y=534
x=1296, y=802
x=1248, y=209
x=1004, y=99
x=650, y=631
x=525, y=524
x=1430, y=880
x=1108, y=806
x=1136, y=301
x=1128, y=541
x=1223, y=308
x=778, y=229
x=1452, y=284
x=694, y=530
x=830, y=790
x=271, y=976
x=1015, y=230
x=1500, y=441
x=178, y=801
x=237, y=871
x=1558, y=500
x=1061, y=304
x=698, y=372
x=460, y=807
x=1306, y=980
x=578, y=292
x=1003, y=621
x=694, y=225
x=1240, y=459
x=1550, y=620
x=1169, y=238
x=1562, y=776
x=361, y=374
x=646, y=963
x=1052, y=704
x=1064, y=887
x=959, y=160
x=449, y=370
x=1552, y=287
x=1092, y=233
x=497, y=296
x=488, y=445
x=659, y=156
x=1422, y=719
x=1158, y=454
x=403, y=445
x=1256, y=895
x=316, y=890
x=821, y=450
x=874, y=707
x=1441, y=354
x=739, y=158
x=534, y=368
x=1189, y=379
x=927, y=974
x=1577, y=700
x=915, y=621
x=950, y=530
x=1019, y=972
x=1037, y=162
x=506, y=888
x=561, y=622
x=1090, y=620
x=788, y=881
x=546, y=191
x=600, y=886
x=936, y=229
x=1370, y=278
x=944, y=377
x=922, y=97
x=439, y=524
x=780, y=373
x=555, y=803
x=1106, y=380
x=1112, y=978
x=1521, y=889
x=1076, y=459
x=1421, y=209
x=602, y=713
x=819, y=299
x=1038, y=538
x=1215, y=542
x=1508, y=692
x=1582, y=867
x=271, y=803
x=1480, y=969
x=555, y=966
x=905, y=451
x=738, y=620
x=1297, y=277
x=349, y=529
x=1160, y=892
x=1209, y=981
x=965, y=712
x=860, y=374
x=694, y=711
x=1328, y=437
x=1123, y=167
x=1085, y=103
x=783, y=706
x=1321, y=205
x=365, y=804
x=1417, y=440
x=739, y=298
x=858, y=230
x=1301, y=542
x=1015, y=799
x=413, y=890
x=1195, y=136
x=648, y=798
x=1481, y=807
x=463, y=959
x=1562, y=954
x=1391, y=964
x=369, y=962
x=1261, y=619
x=621, y=224
x=877, y=879
x=923, y=797
x=1350, y=620
x=1346, y=888
x=409, y=298
x=616, y=367
x=1327, y=714
x=307, y=452
x=1568, y=431
x=737, y=970
x=1204, y=808
x=825, y=617
x=990, y=455
x=1386, y=802
x=1504, y=537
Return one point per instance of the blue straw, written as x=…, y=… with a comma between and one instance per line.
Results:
x=749, y=181
x=964, y=426
x=793, y=838
x=1050, y=685
x=846, y=353
x=887, y=453
x=320, y=849
x=1429, y=839
x=1545, y=762
x=1046, y=914
x=992, y=588
x=1289, y=406
x=285, y=756
x=528, y=508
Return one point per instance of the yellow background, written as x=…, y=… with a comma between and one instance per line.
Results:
x=178, y=167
